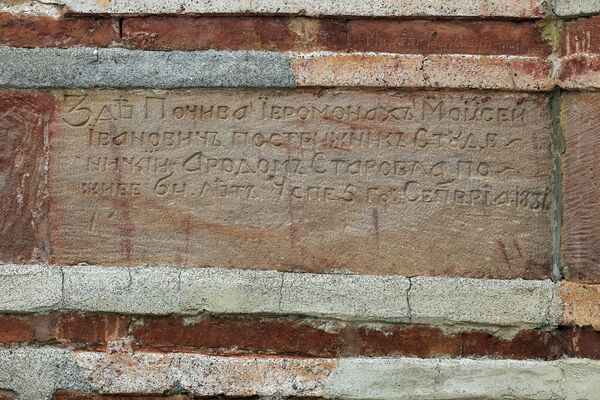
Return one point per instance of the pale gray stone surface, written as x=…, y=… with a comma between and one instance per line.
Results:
x=29, y=288
x=162, y=290
x=145, y=290
x=513, y=8
x=437, y=379
x=483, y=301
x=572, y=8
x=35, y=373
x=230, y=291
x=346, y=296
x=122, y=68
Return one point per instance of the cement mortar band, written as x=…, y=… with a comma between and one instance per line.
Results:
x=36, y=373
x=45, y=68
x=168, y=290
x=511, y=8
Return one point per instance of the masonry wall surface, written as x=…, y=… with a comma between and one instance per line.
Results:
x=299, y=200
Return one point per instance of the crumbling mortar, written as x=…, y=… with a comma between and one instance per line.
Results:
x=410, y=315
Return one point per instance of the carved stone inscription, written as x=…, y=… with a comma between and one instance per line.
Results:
x=405, y=183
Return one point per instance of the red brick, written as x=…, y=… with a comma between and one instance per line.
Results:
x=306, y=34
x=581, y=227
x=584, y=343
x=23, y=121
x=6, y=395
x=15, y=329
x=581, y=36
x=526, y=344
x=90, y=331
x=234, y=336
x=19, y=30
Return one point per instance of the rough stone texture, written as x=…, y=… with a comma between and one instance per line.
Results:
x=309, y=34
x=478, y=301
x=30, y=7
x=35, y=373
x=508, y=8
x=572, y=8
x=581, y=231
x=358, y=181
x=24, y=118
x=139, y=290
x=72, y=395
x=114, y=67
x=449, y=379
x=345, y=296
x=41, y=31
x=29, y=288
x=436, y=71
x=581, y=304
x=580, y=36
x=166, y=290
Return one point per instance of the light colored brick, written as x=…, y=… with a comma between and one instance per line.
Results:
x=29, y=288
x=573, y=8
x=494, y=302
x=116, y=67
x=35, y=373
x=581, y=304
x=435, y=71
x=508, y=8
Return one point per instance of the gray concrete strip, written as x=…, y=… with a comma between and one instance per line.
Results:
x=574, y=8
x=442, y=301
x=161, y=290
x=35, y=373
x=386, y=8
x=382, y=298
x=29, y=288
x=123, y=68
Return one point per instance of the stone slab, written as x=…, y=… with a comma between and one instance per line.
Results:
x=87, y=67
x=311, y=180
x=475, y=301
x=387, y=8
x=24, y=118
x=581, y=216
x=574, y=8
x=160, y=290
x=418, y=71
x=36, y=373
x=29, y=288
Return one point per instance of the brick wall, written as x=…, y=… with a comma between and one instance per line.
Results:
x=299, y=200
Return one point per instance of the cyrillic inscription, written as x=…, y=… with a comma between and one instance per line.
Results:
x=373, y=182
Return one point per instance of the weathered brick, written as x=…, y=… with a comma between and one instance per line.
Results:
x=315, y=203
x=15, y=329
x=581, y=304
x=7, y=395
x=581, y=230
x=40, y=31
x=224, y=335
x=435, y=71
x=306, y=34
x=89, y=331
x=580, y=36
x=580, y=72
x=24, y=120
